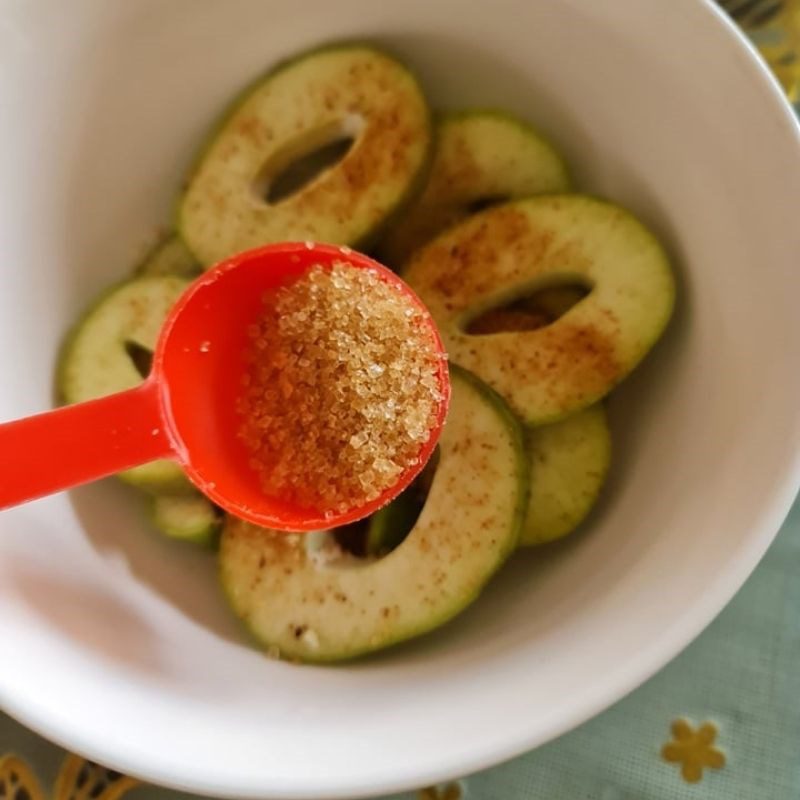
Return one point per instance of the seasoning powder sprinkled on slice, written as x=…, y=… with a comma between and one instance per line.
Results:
x=341, y=389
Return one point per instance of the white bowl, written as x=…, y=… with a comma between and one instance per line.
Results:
x=117, y=644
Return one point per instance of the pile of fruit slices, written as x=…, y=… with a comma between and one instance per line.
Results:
x=546, y=299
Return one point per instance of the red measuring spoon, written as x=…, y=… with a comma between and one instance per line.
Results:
x=185, y=410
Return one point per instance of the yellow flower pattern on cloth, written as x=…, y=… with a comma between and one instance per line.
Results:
x=447, y=791
x=78, y=779
x=774, y=28
x=17, y=781
x=693, y=749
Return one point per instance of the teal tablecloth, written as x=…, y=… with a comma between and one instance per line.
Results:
x=740, y=679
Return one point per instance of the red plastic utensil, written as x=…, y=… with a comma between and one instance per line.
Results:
x=185, y=410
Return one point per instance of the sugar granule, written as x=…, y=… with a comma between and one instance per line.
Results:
x=341, y=389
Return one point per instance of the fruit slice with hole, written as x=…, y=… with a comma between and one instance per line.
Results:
x=169, y=256
x=480, y=158
x=109, y=350
x=508, y=252
x=314, y=604
x=351, y=93
x=569, y=461
x=188, y=517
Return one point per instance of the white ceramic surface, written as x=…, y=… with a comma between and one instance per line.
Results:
x=117, y=643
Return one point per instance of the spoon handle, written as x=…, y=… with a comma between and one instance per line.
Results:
x=76, y=444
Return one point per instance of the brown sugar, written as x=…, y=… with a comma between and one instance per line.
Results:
x=341, y=389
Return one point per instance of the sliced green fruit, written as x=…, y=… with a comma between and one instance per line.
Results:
x=509, y=252
x=569, y=461
x=107, y=352
x=189, y=517
x=346, y=93
x=305, y=599
x=480, y=158
x=388, y=527
x=169, y=256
